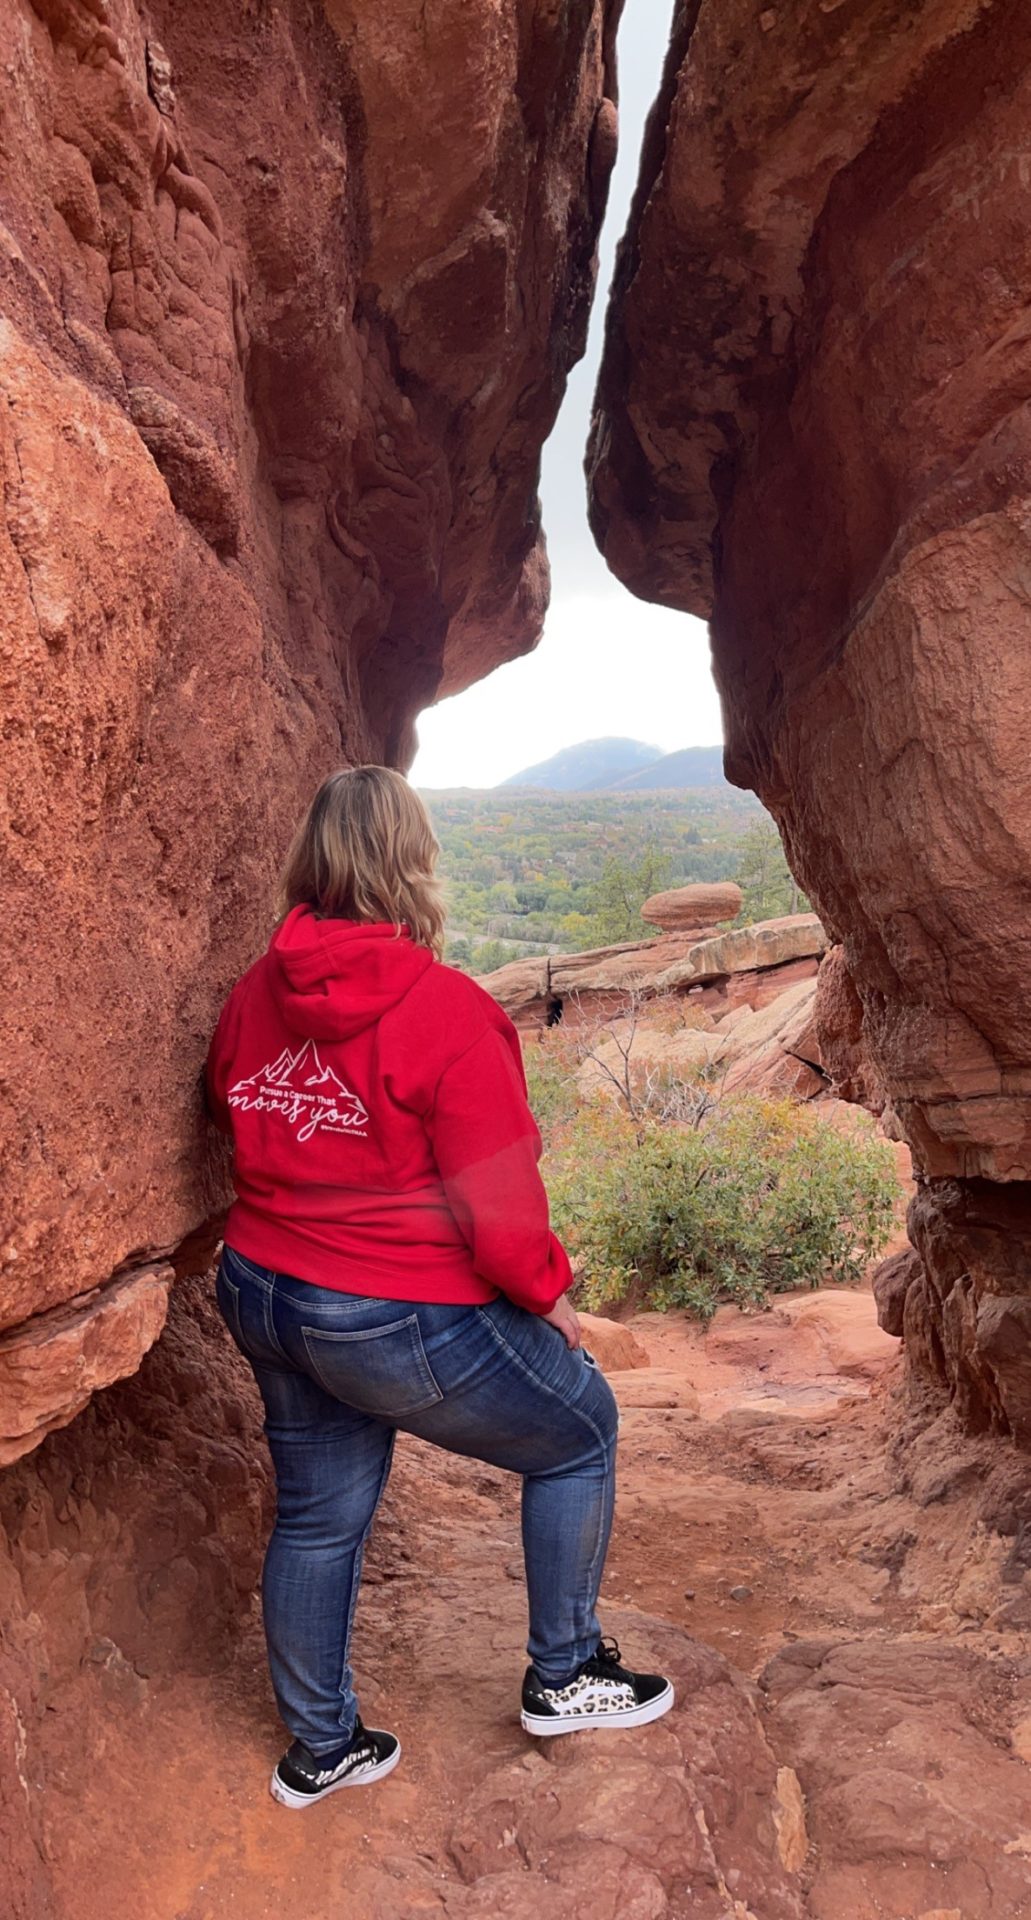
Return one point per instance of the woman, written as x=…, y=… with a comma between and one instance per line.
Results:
x=388, y=1264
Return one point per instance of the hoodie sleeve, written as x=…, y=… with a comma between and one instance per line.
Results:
x=486, y=1145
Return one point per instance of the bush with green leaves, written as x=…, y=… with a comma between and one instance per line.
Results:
x=550, y=1065
x=762, y=1198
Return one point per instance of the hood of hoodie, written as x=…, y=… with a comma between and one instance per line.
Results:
x=333, y=978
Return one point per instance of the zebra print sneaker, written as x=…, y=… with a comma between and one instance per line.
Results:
x=299, y=1779
x=601, y=1693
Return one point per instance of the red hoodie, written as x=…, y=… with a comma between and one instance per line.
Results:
x=383, y=1141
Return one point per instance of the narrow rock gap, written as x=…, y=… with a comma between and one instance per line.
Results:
x=827, y=1554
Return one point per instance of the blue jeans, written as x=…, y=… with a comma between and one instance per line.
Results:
x=339, y=1374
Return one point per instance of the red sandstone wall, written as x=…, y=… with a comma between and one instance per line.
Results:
x=289, y=295
x=812, y=421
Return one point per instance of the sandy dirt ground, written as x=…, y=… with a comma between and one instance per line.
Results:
x=853, y=1727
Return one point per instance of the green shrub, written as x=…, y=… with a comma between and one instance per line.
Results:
x=550, y=1082
x=763, y=1197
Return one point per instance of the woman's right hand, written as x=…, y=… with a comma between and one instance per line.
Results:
x=563, y=1316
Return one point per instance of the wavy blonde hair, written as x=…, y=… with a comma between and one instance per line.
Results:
x=366, y=851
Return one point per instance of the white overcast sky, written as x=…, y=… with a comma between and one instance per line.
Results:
x=608, y=663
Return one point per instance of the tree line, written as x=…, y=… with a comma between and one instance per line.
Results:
x=533, y=873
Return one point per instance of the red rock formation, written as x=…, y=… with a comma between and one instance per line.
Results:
x=129, y=1545
x=290, y=295
x=746, y=967
x=774, y=1049
x=681, y=909
x=812, y=423
x=613, y=1346
x=533, y=991
x=839, y=1024
x=766, y=945
x=768, y=1049
x=52, y=1363
x=836, y=1709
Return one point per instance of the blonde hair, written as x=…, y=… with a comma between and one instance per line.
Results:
x=366, y=851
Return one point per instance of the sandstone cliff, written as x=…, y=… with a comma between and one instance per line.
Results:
x=812, y=423
x=289, y=297
x=706, y=976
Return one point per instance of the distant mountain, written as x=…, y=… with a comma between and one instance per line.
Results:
x=622, y=766
x=689, y=767
x=586, y=767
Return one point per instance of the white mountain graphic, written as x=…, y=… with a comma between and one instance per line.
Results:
x=308, y=1094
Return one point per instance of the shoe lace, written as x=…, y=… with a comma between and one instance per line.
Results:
x=606, y=1660
x=308, y=1763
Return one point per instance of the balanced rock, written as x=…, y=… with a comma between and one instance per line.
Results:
x=702, y=905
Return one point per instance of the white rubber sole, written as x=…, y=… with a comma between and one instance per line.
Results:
x=287, y=1796
x=544, y=1726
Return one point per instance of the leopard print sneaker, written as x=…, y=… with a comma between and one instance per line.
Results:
x=601, y=1693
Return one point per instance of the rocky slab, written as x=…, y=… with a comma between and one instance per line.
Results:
x=51, y=1364
x=582, y=982
x=747, y=966
x=612, y=1345
x=769, y=943
x=769, y=1050
x=857, y=1722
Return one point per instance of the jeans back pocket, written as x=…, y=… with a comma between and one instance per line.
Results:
x=380, y=1370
